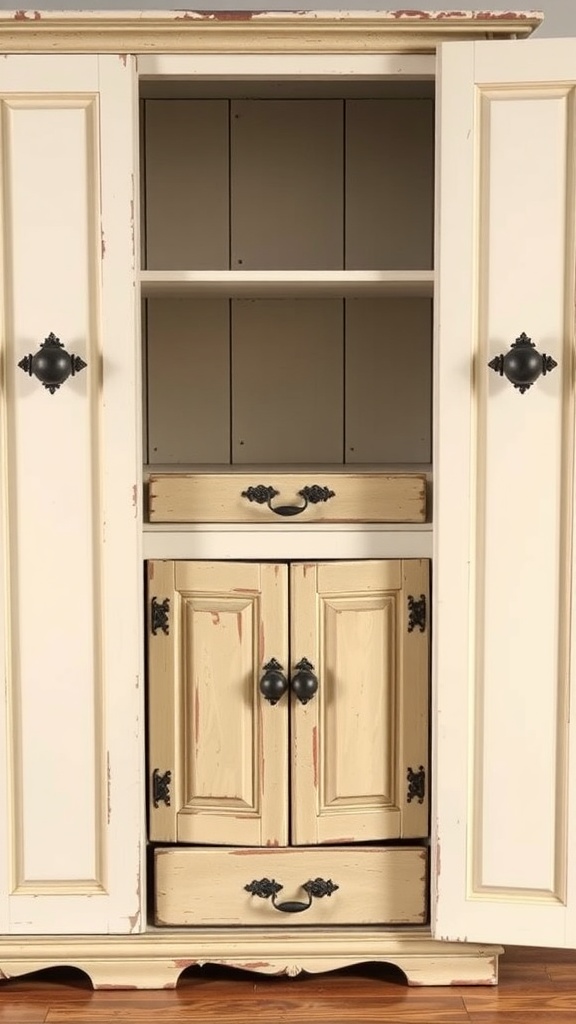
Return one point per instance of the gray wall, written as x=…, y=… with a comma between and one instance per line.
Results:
x=560, y=15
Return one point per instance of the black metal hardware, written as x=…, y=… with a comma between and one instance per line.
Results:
x=522, y=364
x=52, y=364
x=273, y=684
x=416, y=785
x=313, y=495
x=416, y=613
x=161, y=787
x=315, y=888
x=160, y=611
x=304, y=684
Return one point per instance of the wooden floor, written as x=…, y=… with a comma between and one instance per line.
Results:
x=536, y=987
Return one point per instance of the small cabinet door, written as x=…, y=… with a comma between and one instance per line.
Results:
x=354, y=755
x=359, y=747
x=505, y=791
x=224, y=746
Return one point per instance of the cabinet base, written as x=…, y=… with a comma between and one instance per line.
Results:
x=156, y=960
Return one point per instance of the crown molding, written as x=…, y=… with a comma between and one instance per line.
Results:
x=253, y=31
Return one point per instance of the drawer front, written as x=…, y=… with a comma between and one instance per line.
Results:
x=327, y=498
x=208, y=887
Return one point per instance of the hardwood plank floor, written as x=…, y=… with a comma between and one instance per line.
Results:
x=537, y=986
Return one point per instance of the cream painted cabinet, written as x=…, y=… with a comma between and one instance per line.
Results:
x=358, y=332
x=340, y=756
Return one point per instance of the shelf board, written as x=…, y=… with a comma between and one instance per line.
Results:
x=286, y=283
x=283, y=541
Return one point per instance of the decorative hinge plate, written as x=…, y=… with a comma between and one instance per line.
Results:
x=416, y=785
x=161, y=787
x=416, y=613
x=159, y=612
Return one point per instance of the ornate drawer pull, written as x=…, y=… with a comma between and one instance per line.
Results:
x=263, y=495
x=315, y=888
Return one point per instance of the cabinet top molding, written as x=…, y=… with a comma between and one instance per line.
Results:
x=29, y=31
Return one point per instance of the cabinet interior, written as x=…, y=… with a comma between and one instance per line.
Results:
x=287, y=247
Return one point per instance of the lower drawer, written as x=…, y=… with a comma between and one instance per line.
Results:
x=365, y=885
x=273, y=497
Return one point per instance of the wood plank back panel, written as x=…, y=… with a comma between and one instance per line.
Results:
x=287, y=184
x=389, y=184
x=186, y=193
x=188, y=379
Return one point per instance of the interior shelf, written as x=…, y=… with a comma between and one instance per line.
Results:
x=286, y=283
x=287, y=541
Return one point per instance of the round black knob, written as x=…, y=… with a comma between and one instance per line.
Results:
x=52, y=364
x=522, y=364
x=304, y=683
x=273, y=684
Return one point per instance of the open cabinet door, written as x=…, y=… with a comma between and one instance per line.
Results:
x=71, y=814
x=505, y=792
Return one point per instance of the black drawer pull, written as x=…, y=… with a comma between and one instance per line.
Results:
x=315, y=888
x=263, y=495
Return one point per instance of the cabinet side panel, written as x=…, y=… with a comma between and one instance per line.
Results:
x=186, y=170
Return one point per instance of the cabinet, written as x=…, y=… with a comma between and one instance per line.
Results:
x=499, y=527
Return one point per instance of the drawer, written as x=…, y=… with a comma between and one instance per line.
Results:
x=272, y=497
x=208, y=887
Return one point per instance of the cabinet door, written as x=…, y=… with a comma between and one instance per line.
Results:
x=224, y=745
x=504, y=521
x=69, y=520
x=356, y=741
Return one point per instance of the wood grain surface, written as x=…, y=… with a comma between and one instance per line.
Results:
x=536, y=987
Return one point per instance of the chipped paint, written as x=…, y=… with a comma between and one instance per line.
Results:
x=102, y=243
x=108, y=786
x=315, y=755
x=197, y=719
x=254, y=965
x=27, y=16
x=123, y=58
x=239, y=625
x=215, y=618
x=183, y=964
x=150, y=571
x=272, y=843
x=261, y=642
x=110, y=986
x=218, y=15
x=419, y=15
x=135, y=499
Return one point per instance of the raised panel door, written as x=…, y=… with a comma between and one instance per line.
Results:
x=355, y=742
x=224, y=745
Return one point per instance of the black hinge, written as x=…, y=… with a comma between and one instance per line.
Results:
x=161, y=787
x=416, y=613
x=416, y=785
x=160, y=611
